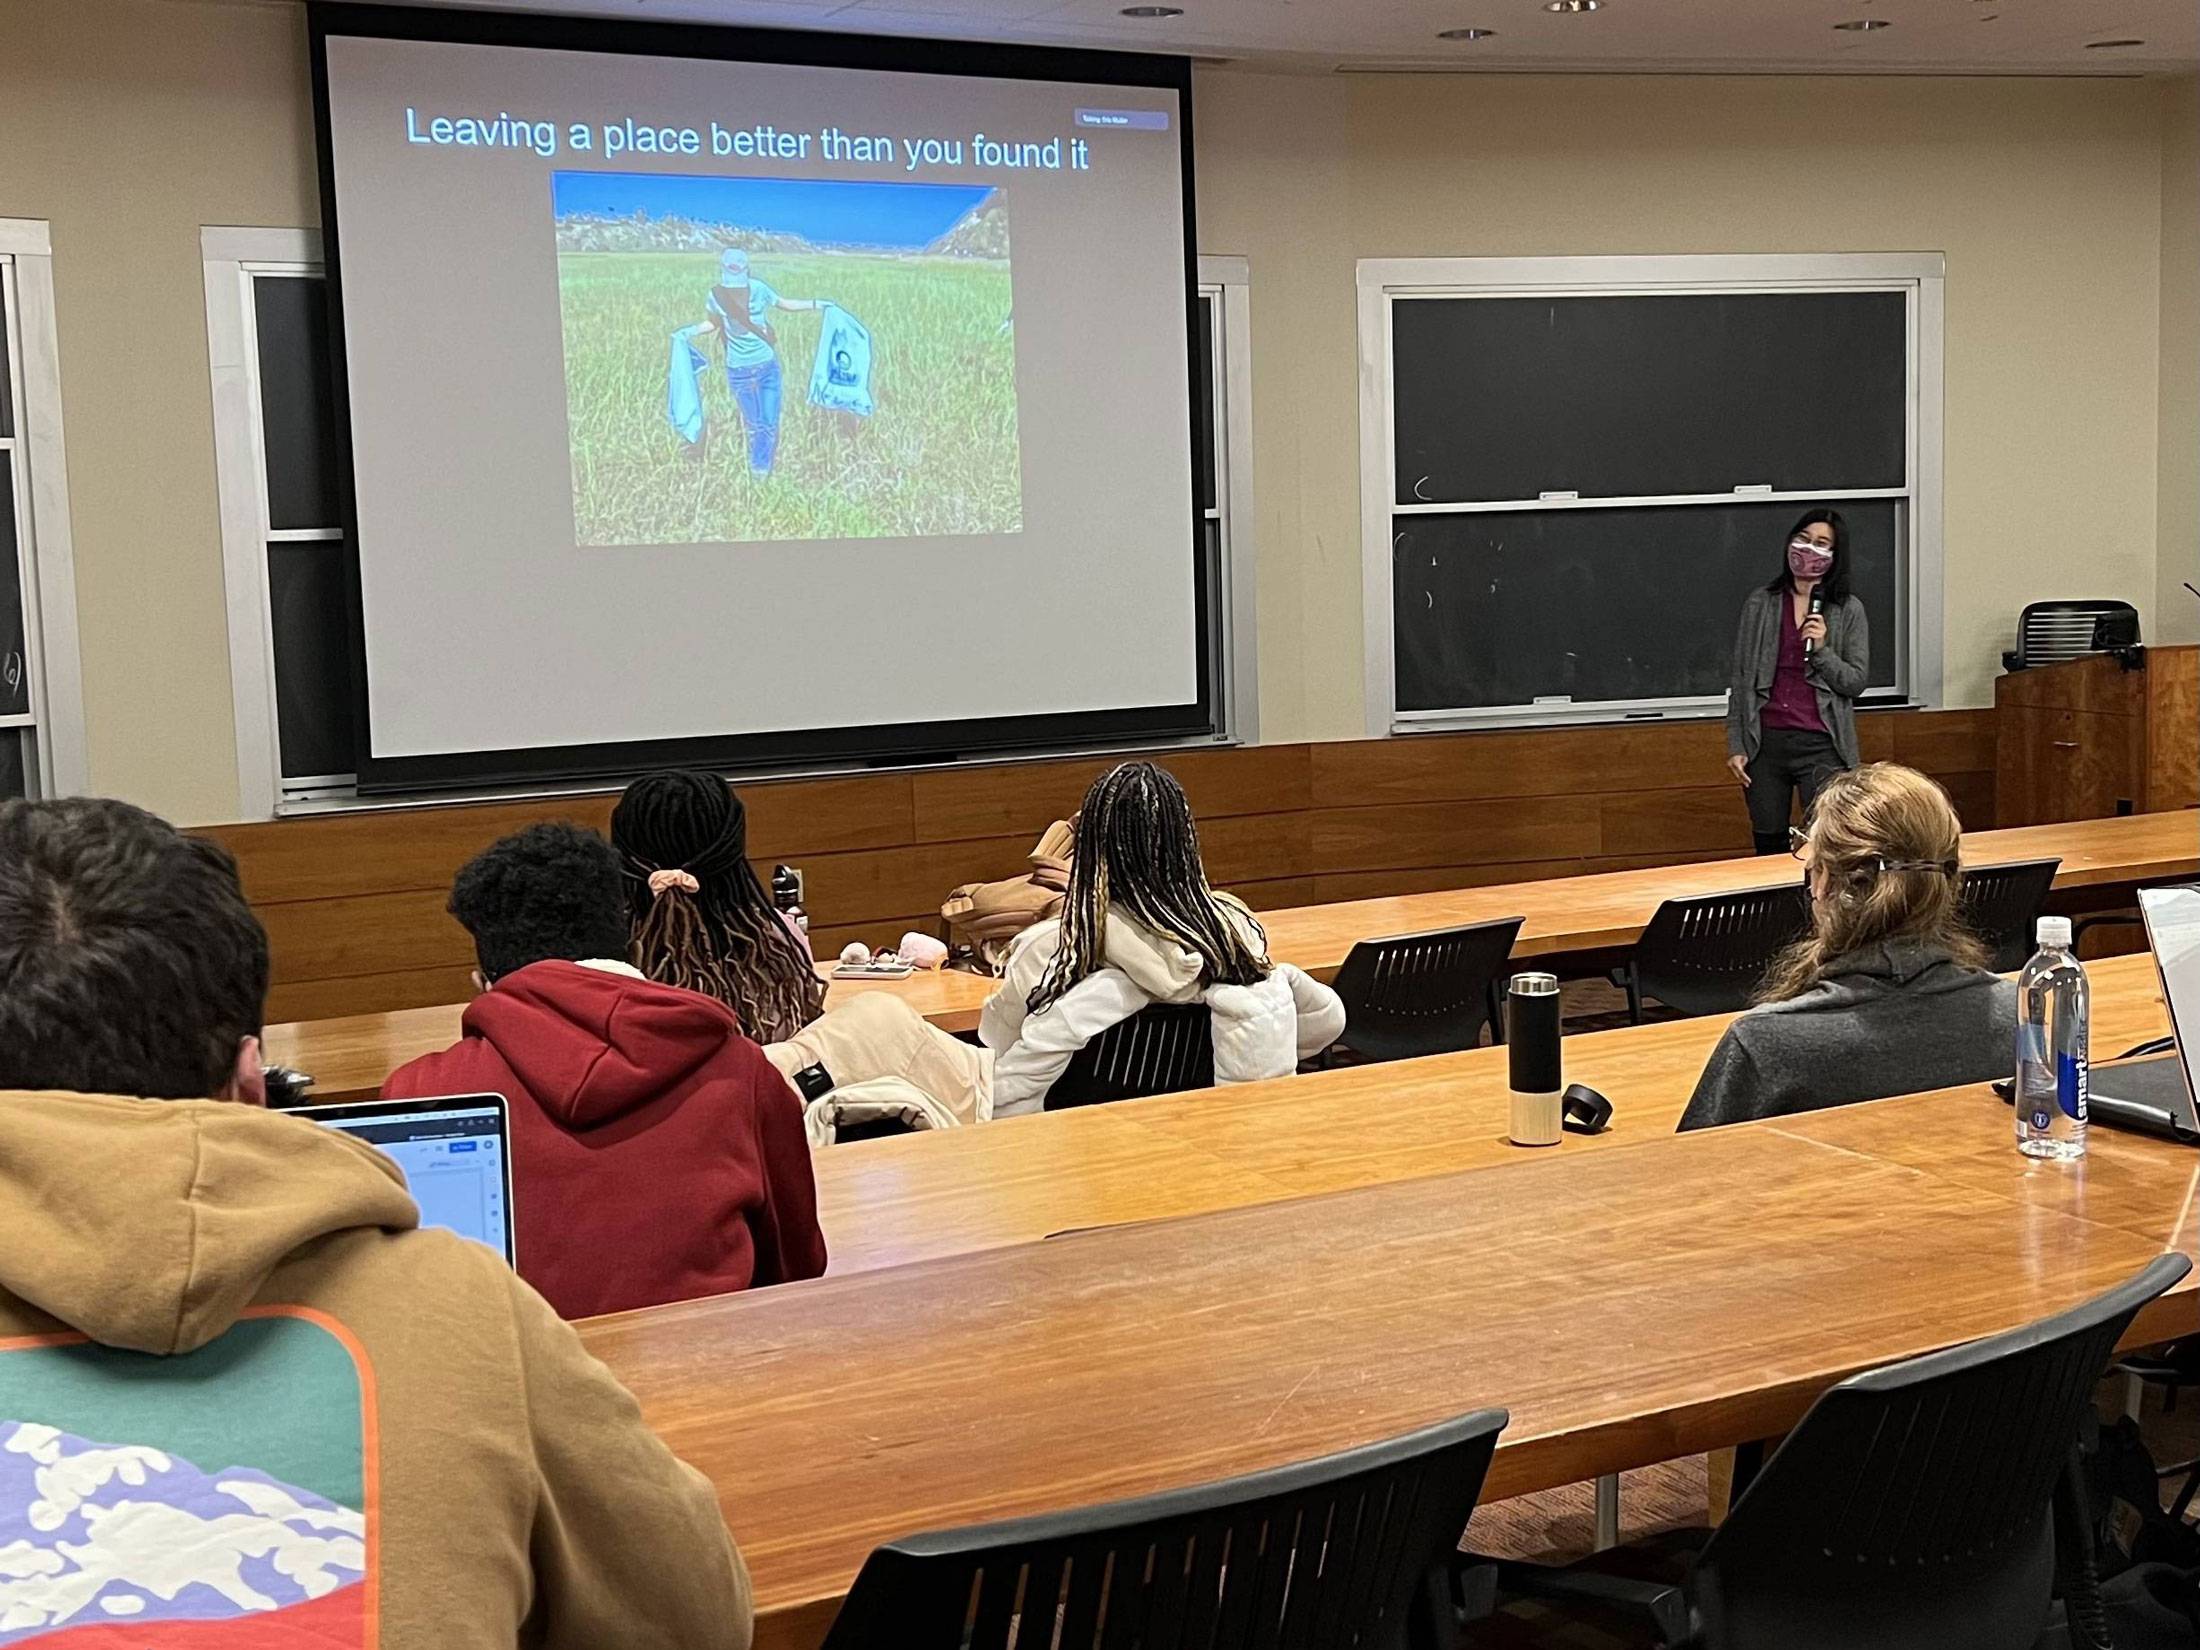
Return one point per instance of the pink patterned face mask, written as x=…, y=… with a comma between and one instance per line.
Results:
x=1806, y=560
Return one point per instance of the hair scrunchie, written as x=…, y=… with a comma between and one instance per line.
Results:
x=663, y=882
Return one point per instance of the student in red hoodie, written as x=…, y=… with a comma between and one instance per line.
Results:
x=656, y=1154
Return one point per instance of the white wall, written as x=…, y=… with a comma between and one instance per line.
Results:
x=2177, y=610
x=2046, y=197
x=128, y=124
x=131, y=123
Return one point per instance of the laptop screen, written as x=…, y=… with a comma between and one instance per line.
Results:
x=2173, y=927
x=455, y=1155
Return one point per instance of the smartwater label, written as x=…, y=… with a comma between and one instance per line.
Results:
x=2071, y=1085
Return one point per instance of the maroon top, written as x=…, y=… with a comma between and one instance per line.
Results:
x=656, y=1154
x=1794, y=702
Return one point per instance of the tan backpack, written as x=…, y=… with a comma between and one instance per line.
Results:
x=984, y=918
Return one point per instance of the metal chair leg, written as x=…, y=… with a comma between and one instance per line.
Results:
x=1607, y=1512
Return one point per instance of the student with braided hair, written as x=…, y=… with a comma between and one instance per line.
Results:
x=1139, y=925
x=702, y=920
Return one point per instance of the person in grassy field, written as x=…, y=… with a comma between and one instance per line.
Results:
x=740, y=307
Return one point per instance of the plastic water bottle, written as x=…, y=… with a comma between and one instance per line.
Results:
x=2053, y=1010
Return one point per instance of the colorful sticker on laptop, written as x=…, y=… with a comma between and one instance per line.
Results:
x=224, y=1498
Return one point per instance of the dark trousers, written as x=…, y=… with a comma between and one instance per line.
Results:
x=1788, y=761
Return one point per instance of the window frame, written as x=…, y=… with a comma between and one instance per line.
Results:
x=58, y=764
x=1227, y=282
x=233, y=259
x=1382, y=282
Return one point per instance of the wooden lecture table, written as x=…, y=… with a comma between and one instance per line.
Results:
x=1649, y=1297
x=1019, y=1180
x=349, y=1057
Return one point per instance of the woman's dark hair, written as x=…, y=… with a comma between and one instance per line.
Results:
x=1835, y=585
x=722, y=937
x=1138, y=850
x=129, y=960
x=550, y=892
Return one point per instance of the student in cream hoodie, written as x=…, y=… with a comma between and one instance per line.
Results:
x=1139, y=925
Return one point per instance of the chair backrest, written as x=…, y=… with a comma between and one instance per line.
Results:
x=1164, y=1048
x=1910, y=1510
x=1339, y=1553
x=1706, y=955
x=2002, y=904
x=2050, y=632
x=1428, y=993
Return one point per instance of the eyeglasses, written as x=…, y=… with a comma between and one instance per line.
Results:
x=1798, y=840
x=1823, y=546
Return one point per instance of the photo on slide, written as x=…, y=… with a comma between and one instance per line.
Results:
x=779, y=358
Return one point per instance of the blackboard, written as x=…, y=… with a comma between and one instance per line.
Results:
x=1634, y=602
x=297, y=401
x=312, y=646
x=1502, y=399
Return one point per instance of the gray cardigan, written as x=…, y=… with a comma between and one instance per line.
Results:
x=1893, y=1018
x=1838, y=671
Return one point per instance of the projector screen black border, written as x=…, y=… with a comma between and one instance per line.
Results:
x=912, y=743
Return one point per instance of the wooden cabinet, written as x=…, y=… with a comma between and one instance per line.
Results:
x=2098, y=736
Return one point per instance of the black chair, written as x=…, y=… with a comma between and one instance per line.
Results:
x=2002, y=905
x=2050, y=632
x=1430, y=993
x=1705, y=955
x=1350, y=1550
x=1911, y=1509
x=1164, y=1048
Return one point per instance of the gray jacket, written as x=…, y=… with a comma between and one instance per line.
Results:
x=1838, y=671
x=1893, y=1018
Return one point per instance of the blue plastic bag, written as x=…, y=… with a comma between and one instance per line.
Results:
x=683, y=384
x=840, y=377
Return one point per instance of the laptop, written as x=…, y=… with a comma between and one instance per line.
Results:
x=455, y=1153
x=2157, y=1096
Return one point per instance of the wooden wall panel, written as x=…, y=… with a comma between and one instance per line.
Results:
x=354, y=901
x=1529, y=762
x=2173, y=728
x=1942, y=742
x=1710, y=819
x=1024, y=798
x=1454, y=833
x=368, y=993
x=363, y=934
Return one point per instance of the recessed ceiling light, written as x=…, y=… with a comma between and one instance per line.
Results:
x=2111, y=45
x=1571, y=5
x=1864, y=25
x=1153, y=11
x=1465, y=34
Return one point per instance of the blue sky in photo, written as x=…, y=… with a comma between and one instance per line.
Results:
x=821, y=211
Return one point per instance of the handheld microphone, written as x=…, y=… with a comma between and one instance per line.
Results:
x=1817, y=606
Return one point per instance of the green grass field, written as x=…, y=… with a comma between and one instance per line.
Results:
x=938, y=456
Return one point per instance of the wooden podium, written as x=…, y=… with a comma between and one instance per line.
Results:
x=2094, y=737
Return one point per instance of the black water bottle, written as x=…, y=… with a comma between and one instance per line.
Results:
x=1531, y=1040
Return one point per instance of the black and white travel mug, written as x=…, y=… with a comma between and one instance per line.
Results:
x=1531, y=1037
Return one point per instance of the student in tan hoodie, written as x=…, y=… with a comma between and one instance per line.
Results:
x=244, y=1401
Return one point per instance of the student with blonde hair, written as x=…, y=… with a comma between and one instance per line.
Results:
x=1888, y=994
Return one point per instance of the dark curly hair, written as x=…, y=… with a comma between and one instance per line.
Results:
x=552, y=891
x=129, y=960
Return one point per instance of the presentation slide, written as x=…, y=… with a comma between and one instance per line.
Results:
x=696, y=399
